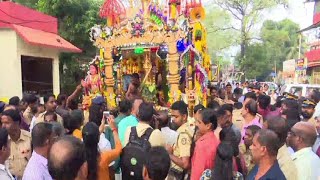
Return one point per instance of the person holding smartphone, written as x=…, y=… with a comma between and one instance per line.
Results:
x=99, y=161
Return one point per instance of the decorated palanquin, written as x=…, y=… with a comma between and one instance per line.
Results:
x=164, y=42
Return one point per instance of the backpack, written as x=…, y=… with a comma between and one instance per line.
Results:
x=134, y=154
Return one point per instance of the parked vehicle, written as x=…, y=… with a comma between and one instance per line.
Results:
x=272, y=86
x=299, y=89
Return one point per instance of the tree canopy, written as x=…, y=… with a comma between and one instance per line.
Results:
x=29, y=3
x=220, y=35
x=279, y=42
x=246, y=14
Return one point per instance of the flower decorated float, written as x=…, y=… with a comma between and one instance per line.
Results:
x=164, y=42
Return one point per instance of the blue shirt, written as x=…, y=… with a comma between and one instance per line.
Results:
x=129, y=121
x=274, y=173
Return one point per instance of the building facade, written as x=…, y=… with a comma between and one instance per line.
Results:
x=313, y=54
x=29, y=51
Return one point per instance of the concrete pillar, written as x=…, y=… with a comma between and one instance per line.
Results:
x=55, y=76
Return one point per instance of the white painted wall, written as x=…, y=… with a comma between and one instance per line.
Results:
x=10, y=68
x=12, y=47
x=39, y=51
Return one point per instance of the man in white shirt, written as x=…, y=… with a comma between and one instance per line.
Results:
x=170, y=136
x=287, y=166
x=315, y=96
x=4, y=155
x=301, y=138
x=316, y=146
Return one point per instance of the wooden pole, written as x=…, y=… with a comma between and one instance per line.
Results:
x=191, y=98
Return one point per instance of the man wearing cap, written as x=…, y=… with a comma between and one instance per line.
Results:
x=291, y=96
x=307, y=111
x=289, y=103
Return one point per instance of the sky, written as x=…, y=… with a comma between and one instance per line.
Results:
x=298, y=11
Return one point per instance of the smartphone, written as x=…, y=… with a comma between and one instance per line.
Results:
x=106, y=114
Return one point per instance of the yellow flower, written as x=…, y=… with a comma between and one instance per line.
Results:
x=111, y=99
x=174, y=96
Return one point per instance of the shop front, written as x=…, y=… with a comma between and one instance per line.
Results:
x=313, y=71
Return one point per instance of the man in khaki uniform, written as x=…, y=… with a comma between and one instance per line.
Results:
x=307, y=111
x=31, y=101
x=50, y=105
x=20, y=142
x=237, y=118
x=180, y=152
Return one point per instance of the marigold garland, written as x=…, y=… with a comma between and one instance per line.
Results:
x=174, y=96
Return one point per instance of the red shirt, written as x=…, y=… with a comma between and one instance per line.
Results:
x=204, y=155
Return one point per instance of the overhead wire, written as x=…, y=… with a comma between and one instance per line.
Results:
x=25, y=20
x=7, y=22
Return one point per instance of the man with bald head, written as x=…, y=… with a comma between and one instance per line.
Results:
x=301, y=138
x=287, y=166
x=66, y=160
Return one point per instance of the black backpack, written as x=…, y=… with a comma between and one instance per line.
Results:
x=134, y=154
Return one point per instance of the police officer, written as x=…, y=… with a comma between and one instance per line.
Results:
x=180, y=152
x=307, y=111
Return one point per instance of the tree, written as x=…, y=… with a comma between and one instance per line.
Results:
x=75, y=18
x=279, y=42
x=220, y=36
x=256, y=63
x=246, y=13
x=29, y=3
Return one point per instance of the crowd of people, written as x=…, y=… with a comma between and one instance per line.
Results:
x=244, y=132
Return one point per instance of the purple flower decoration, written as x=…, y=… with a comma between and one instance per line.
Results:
x=183, y=73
